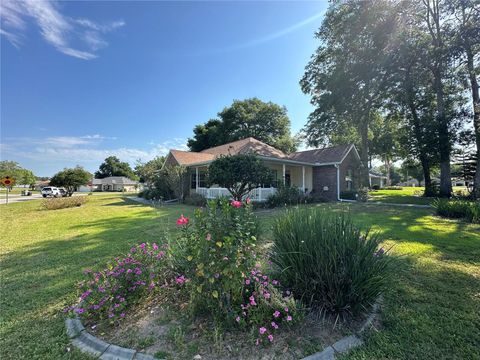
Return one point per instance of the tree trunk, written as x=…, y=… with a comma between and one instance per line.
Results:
x=476, y=117
x=444, y=146
x=364, y=173
x=388, y=166
x=417, y=130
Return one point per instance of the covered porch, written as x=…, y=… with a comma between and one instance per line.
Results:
x=286, y=173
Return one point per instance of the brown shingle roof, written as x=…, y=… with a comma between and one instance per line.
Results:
x=332, y=154
x=244, y=146
x=189, y=157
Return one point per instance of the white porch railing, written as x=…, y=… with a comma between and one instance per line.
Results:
x=258, y=194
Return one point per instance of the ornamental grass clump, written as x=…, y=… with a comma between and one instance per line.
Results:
x=327, y=262
x=215, y=251
x=109, y=293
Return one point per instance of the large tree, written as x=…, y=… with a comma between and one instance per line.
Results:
x=71, y=179
x=345, y=77
x=265, y=121
x=13, y=169
x=467, y=32
x=239, y=174
x=112, y=166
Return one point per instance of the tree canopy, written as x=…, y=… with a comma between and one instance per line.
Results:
x=411, y=62
x=112, y=166
x=265, y=121
x=13, y=169
x=71, y=179
x=239, y=174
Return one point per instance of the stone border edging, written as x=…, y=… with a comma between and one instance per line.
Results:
x=347, y=343
x=92, y=345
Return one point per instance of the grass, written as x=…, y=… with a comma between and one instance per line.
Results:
x=432, y=309
x=408, y=195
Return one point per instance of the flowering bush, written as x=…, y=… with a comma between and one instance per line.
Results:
x=264, y=307
x=215, y=252
x=106, y=294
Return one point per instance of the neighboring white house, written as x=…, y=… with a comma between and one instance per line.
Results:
x=112, y=183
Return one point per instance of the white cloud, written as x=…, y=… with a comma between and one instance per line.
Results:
x=57, y=29
x=83, y=150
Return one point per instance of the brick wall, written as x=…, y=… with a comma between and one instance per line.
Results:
x=353, y=163
x=325, y=176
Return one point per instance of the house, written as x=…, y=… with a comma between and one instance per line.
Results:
x=111, y=183
x=376, y=179
x=324, y=172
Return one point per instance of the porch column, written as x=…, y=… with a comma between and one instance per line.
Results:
x=283, y=176
x=196, y=179
x=303, y=179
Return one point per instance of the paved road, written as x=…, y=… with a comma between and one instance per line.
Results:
x=13, y=198
x=18, y=198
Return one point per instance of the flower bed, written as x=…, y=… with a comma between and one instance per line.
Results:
x=210, y=289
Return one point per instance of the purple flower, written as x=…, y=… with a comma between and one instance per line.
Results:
x=274, y=325
x=247, y=282
x=262, y=330
x=270, y=338
x=276, y=314
x=155, y=247
x=79, y=310
x=289, y=318
x=237, y=319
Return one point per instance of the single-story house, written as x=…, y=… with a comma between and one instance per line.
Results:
x=377, y=179
x=111, y=183
x=325, y=172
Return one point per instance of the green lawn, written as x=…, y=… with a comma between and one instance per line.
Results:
x=408, y=195
x=431, y=311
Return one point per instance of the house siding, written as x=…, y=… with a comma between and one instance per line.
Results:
x=325, y=176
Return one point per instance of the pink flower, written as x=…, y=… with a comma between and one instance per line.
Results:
x=247, y=282
x=274, y=282
x=142, y=245
x=180, y=280
x=289, y=318
x=248, y=201
x=274, y=325
x=270, y=338
x=276, y=314
x=257, y=342
x=182, y=220
x=286, y=309
x=155, y=247
x=266, y=295
x=237, y=319
x=236, y=204
x=209, y=237
x=262, y=330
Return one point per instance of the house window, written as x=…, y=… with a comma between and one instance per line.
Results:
x=349, y=179
x=202, y=181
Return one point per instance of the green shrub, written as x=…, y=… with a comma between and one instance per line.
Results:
x=286, y=195
x=215, y=253
x=392, y=188
x=348, y=195
x=362, y=195
x=62, y=203
x=458, y=209
x=328, y=263
x=196, y=200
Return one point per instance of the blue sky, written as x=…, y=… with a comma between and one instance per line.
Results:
x=84, y=80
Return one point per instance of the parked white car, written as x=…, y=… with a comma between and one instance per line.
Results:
x=51, y=191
